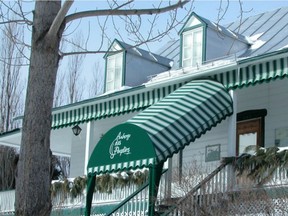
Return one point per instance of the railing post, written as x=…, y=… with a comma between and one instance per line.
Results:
x=155, y=173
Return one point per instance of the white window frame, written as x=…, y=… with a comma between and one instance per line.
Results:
x=191, y=53
x=114, y=72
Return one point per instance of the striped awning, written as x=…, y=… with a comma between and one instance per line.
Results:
x=249, y=73
x=162, y=129
x=111, y=105
x=246, y=72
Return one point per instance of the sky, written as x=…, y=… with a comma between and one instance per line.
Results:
x=206, y=8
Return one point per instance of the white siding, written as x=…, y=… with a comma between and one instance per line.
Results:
x=272, y=96
x=196, y=150
x=78, y=143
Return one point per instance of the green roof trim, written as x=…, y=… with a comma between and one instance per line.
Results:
x=112, y=105
x=252, y=74
x=197, y=17
x=162, y=129
x=246, y=72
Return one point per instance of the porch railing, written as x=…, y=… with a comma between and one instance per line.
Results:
x=223, y=192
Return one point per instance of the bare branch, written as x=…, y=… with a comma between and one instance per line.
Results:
x=13, y=21
x=116, y=12
x=120, y=6
x=59, y=18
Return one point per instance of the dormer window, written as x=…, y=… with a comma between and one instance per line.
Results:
x=204, y=41
x=114, y=72
x=128, y=66
x=114, y=67
x=192, y=35
x=192, y=47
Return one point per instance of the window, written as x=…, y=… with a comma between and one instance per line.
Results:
x=114, y=72
x=192, y=47
x=250, y=130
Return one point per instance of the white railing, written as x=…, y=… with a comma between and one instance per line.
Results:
x=214, y=190
x=7, y=200
x=64, y=201
x=223, y=192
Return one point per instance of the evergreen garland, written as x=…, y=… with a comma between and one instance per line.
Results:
x=105, y=183
x=261, y=166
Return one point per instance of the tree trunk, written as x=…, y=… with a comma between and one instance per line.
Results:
x=33, y=175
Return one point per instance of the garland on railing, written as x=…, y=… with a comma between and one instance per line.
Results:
x=260, y=166
x=104, y=183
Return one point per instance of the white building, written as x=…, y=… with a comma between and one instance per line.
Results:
x=205, y=96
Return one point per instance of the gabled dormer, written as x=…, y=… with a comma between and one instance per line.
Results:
x=202, y=40
x=128, y=66
x=192, y=42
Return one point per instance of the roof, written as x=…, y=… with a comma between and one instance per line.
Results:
x=267, y=32
x=144, y=54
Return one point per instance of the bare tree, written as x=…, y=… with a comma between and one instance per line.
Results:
x=97, y=81
x=49, y=18
x=59, y=90
x=11, y=83
x=75, y=86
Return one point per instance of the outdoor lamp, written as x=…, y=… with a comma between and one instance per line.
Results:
x=76, y=130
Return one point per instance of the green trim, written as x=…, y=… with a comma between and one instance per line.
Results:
x=193, y=27
x=9, y=133
x=111, y=105
x=191, y=15
x=124, y=66
x=253, y=74
x=181, y=51
x=111, y=45
x=204, y=43
x=105, y=76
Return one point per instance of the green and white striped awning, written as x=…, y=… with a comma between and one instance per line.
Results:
x=111, y=105
x=249, y=73
x=246, y=72
x=162, y=129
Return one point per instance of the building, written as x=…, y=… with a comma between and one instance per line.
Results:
x=207, y=95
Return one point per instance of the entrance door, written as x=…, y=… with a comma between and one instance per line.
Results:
x=249, y=135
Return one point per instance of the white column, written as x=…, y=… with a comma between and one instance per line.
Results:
x=89, y=140
x=231, y=148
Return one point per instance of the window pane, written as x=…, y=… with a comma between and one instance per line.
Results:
x=187, y=53
x=247, y=140
x=109, y=86
x=192, y=48
x=114, y=72
x=187, y=63
x=111, y=62
x=110, y=75
x=187, y=40
x=118, y=61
